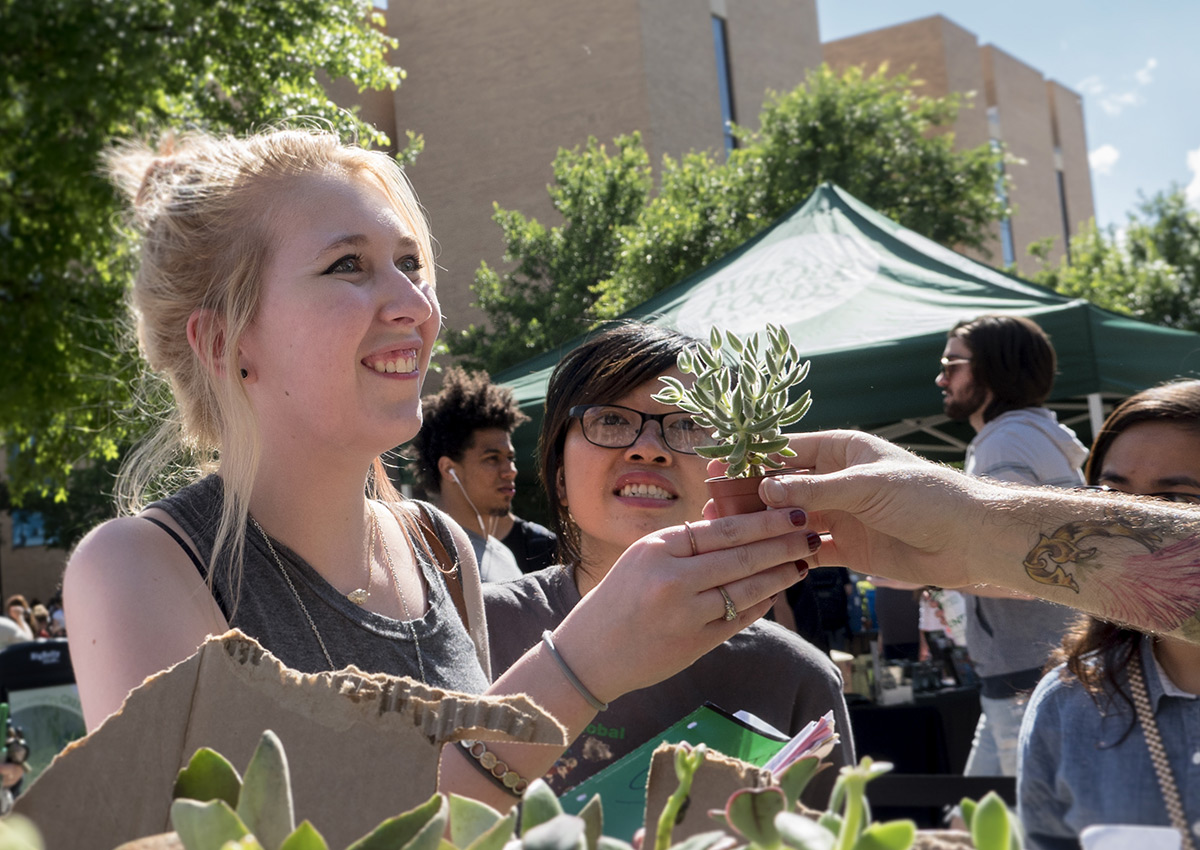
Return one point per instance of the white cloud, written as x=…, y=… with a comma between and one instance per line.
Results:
x=1103, y=158
x=1192, y=192
x=1090, y=86
x=1114, y=104
x=1145, y=76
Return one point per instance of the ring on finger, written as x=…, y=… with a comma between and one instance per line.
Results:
x=731, y=611
x=691, y=538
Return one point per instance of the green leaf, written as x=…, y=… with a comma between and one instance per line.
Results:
x=305, y=837
x=565, y=832
x=831, y=821
x=771, y=446
x=592, y=816
x=265, y=804
x=967, y=808
x=990, y=827
x=417, y=829
x=804, y=834
x=208, y=776
x=702, y=841
x=714, y=452
x=794, y=778
x=470, y=819
x=752, y=811
x=202, y=826
x=538, y=805
x=893, y=835
x=498, y=836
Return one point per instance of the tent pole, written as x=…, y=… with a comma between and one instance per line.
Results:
x=1095, y=412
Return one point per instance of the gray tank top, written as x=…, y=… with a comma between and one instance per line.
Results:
x=267, y=609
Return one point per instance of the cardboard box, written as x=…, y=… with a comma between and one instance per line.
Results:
x=361, y=747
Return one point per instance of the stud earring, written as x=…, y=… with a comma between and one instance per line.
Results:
x=245, y=374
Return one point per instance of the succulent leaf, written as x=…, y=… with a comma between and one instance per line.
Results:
x=752, y=811
x=202, y=826
x=794, y=778
x=265, y=804
x=565, y=832
x=592, y=816
x=990, y=827
x=798, y=831
x=417, y=829
x=304, y=837
x=470, y=819
x=208, y=776
x=538, y=806
x=893, y=835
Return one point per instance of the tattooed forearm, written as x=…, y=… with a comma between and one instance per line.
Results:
x=1152, y=584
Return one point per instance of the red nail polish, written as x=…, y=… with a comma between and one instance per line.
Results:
x=814, y=541
x=798, y=517
x=802, y=568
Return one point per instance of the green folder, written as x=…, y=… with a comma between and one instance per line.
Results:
x=622, y=785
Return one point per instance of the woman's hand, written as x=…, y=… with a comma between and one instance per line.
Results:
x=661, y=605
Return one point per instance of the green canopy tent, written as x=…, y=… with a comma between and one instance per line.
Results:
x=869, y=303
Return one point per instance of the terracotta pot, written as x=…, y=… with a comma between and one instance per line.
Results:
x=732, y=496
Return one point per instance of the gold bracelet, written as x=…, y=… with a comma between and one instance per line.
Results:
x=491, y=766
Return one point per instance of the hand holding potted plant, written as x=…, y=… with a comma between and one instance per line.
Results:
x=746, y=406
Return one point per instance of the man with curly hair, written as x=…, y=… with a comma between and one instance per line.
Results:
x=464, y=460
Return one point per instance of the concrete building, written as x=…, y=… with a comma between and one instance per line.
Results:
x=1039, y=121
x=497, y=88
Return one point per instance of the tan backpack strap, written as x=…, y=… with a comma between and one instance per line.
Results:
x=456, y=579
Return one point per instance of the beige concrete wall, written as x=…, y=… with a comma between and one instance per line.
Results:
x=1066, y=109
x=1025, y=128
x=497, y=88
x=772, y=45
x=683, y=108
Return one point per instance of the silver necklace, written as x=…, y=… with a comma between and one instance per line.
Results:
x=361, y=594
x=387, y=554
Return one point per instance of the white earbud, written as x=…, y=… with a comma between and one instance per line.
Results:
x=454, y=475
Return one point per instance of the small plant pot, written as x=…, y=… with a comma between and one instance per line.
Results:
x=733, y=496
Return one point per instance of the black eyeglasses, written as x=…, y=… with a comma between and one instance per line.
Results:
x=1174, y=496
x=614, y=427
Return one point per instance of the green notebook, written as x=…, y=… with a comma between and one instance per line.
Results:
x=622, y=785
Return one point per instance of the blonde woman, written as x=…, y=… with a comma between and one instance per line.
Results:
x=286, y=293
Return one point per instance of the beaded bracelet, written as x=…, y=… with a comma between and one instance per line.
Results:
x=548, y=639
x=491, y=766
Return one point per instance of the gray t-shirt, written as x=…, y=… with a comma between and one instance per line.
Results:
x=765, y=669
x=496, y=561
x=266, y=609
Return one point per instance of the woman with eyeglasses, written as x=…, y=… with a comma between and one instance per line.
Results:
x=617, y=466
x=1088, y=738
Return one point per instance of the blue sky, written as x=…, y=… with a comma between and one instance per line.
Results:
x=1136, y=65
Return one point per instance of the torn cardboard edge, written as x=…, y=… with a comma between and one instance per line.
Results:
x=361, y=747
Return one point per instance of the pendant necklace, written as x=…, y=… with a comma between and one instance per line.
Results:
x=361, y=594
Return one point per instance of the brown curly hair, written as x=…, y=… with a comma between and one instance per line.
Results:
x=468, y=402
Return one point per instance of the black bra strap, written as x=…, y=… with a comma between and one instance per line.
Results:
x=200, y=568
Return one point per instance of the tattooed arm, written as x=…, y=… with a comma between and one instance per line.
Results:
x=885, y=511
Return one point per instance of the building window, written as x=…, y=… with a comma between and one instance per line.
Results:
x=1062, y=201
x=724, y=81
x=28, y=529
x=1007, y=244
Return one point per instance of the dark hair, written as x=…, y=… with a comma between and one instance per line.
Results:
x=1097, y=652
x=467, y=402
x=602, y=369
x=1012, y=357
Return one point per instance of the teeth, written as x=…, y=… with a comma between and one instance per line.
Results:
x=644, y=491
x=406, y=363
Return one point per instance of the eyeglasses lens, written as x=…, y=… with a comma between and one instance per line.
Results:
x=618, y=427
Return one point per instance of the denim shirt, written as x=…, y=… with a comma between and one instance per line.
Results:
x=1072, y=773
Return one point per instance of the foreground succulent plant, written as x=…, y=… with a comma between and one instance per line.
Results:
x=745, y=405
x=215, y=809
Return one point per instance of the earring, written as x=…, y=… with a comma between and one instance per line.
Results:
x=245, y=374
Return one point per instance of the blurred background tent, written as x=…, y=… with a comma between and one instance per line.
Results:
x=869, y=303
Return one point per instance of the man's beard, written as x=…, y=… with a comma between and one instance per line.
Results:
x=960, y=409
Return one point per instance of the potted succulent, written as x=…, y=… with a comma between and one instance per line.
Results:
x=745, y=403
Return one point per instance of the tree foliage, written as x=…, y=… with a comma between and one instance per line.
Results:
x=74, y=76
x=869, y=133
x=1149, y=270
